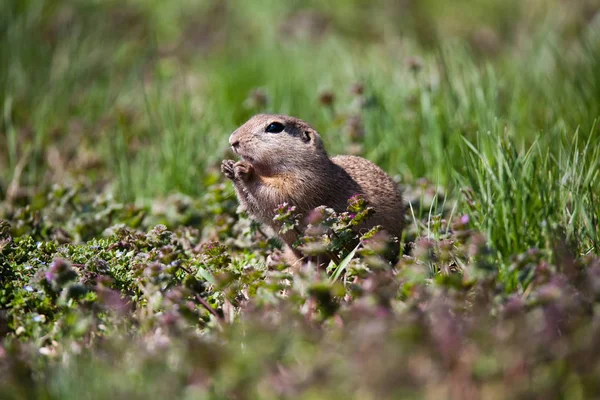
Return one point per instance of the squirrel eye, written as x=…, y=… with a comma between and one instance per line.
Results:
x=275, y=127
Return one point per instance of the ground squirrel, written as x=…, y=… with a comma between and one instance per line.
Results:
x=283, y=160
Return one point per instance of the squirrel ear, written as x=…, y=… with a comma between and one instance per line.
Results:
x=307, y=136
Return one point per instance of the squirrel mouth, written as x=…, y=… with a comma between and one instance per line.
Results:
x=245, y=158
x=242, y=156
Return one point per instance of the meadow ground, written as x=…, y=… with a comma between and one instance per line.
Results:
x=127, y=270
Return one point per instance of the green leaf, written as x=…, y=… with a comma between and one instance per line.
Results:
x=339, y=269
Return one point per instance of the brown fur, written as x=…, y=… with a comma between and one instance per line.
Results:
x=293, y=167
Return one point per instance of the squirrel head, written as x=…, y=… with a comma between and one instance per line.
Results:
x=278, y=143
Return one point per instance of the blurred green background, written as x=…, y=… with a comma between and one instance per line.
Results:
x=146, y=92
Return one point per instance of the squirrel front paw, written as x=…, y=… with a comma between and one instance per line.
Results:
x=227, y=168
x=243, y=170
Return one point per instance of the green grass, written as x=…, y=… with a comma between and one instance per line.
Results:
x=486, y=111
x=182, y=104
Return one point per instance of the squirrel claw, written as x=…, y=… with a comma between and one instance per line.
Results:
x=243, y=170
x=227, y=168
